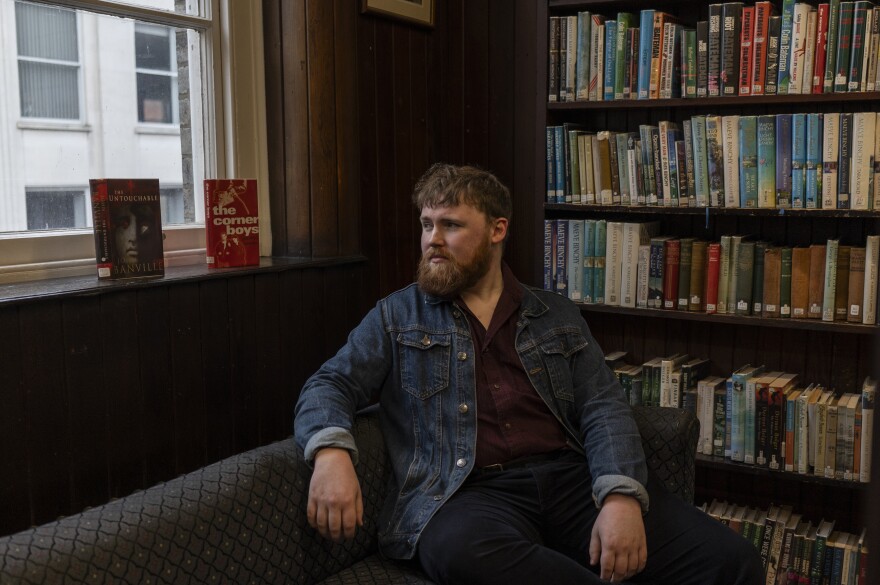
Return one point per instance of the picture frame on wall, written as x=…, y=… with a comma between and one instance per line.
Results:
x=420, y=12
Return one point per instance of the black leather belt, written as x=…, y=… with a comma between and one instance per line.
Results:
x=521, y=462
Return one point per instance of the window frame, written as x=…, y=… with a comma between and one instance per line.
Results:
x=238, y=147
x=171, y=73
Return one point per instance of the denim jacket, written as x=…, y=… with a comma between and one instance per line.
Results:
x=417, y=351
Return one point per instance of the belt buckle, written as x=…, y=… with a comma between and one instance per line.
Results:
x=493, y=467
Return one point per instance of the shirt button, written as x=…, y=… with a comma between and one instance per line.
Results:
x=496, y=386
x=462, y=356
x=461, y=462
x=438, y=498
x=462, y=408
x=506, y=426
x=456, y=314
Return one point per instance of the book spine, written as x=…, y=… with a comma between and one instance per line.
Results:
x=809, y=53
x=597, y=32
x=772, y=278
x=783, y=161
x=713, y=263
x=624, y=22
x=798, y=47
x=830, y=285
x=730, y=136
x=866, y=405
x=610, y=60
x=671, y=267
x=745, y=265
x=817, y=281
x=813, y=187
x=599, y=262
x=549, y=273
x=731, y=33
x=553, y=59
x=834, y=13
x=582, y=68
x=551, y=165
x=648, y=164
x=762, y=423
x=857, y=44
x=821, y=51
x=701, y=161
x=656, y=54
x=684, y=273
x=714, y=57
x=758, y=279
x=614, y=167
x=783, y=76
x=575, y=267
x=873, y=53
x=749, y=426
x=785, y=282
x=773, y=48
x=101, y=222
x=830, y=151
x=869, y=292
x=766, y=151
x=696, y=287
x=844, y=154
x=702, y=39
x=613, y=262
x=844, y=46
x=746, y=50
x=658, y=164
x=862, y=161
x=724, y=274
x=798, y=160
x=776, y=430
x=643, y=275
x=689, y=194
x=646, y=35
x=856, y=285
x=715, y=161
x=763, y=12
x=748, y=168
x=561, y=253
x=689, y=60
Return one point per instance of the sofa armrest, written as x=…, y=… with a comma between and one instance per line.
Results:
x=241, y=520
x=669, y=438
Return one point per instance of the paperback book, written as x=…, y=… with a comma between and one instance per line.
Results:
x=232, y=223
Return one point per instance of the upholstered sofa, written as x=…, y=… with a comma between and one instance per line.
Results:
x=242, y=520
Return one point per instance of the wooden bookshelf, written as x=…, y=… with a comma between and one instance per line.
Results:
x=835, y=354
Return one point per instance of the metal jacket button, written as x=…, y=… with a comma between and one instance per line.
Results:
x=462, y=356
x=461, y=462
x=462, y=408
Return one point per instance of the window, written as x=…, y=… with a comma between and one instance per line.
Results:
x=122, y=89
x=48, y=61
x=51, y=210
x=156, y=73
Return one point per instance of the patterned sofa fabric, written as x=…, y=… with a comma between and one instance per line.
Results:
x=242, y=520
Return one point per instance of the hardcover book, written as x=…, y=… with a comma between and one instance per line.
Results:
x=813, y=187
x=671, y=267
x=830, y=285
x=763, y=11
x=701, y=161
x=745, y=50
x=772, y=275
x=798, y=160
x=831, y=46
x=783, y=77
x=582, y=67
x=799, y=35
x=127, y=218
x=785, y=282
x=684, y=272
x=232, y=223
x=869, y=296
x=713, y=270
x=821, y=51
x=635, y=235
x=844, y=161
x=730, y=137
x=800, y=282
x=646, y=35
x=856, y=284
x=862, y=161
x=841, y=283
x=844, y=46
x=715, y=161
x=702, y=40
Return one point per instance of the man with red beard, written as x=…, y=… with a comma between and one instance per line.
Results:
x=515, y=457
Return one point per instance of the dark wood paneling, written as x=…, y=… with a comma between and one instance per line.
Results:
x=14, y=491
x=345, y=46
x=107, y=393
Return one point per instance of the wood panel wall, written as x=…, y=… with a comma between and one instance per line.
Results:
x=107, y=393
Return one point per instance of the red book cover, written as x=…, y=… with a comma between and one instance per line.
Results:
x=763, y=12
x=127, y=218
x=713, y=270
x=821, y=49
x=672, y=262
x=745, y=47
x=232, y=223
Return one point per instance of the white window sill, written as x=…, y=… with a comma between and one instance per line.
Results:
x=54, y=125
x=163, y=129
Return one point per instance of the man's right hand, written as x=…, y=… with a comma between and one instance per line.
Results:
x=335, y=507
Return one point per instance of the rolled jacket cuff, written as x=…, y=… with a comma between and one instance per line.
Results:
x=620, y=484
x=330, y=437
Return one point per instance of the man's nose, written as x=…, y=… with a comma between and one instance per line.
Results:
x=436, y=237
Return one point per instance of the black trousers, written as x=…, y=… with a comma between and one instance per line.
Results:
x=532, y=526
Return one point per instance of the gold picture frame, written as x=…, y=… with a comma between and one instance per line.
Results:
x=420, y=12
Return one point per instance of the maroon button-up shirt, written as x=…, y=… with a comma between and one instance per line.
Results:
x=512, y=419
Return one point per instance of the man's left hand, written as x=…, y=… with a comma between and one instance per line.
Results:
x=618, y=541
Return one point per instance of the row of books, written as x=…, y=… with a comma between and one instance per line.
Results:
x=760, y=417
x=793, y=549
x=739, y=51
x=628, y=264
x=127, y=220
x=784, y=161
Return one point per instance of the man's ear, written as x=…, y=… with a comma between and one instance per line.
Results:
x=499, y=229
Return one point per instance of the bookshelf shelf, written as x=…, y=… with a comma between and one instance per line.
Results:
x=710, y=102
x=800, y=324
x=720, y=463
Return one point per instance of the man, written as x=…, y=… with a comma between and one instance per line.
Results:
x=515, y=458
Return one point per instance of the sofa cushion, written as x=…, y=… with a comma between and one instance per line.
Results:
x=375, y=570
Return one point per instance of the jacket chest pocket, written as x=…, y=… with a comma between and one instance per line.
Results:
x=424, y=362
x=559, y=348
